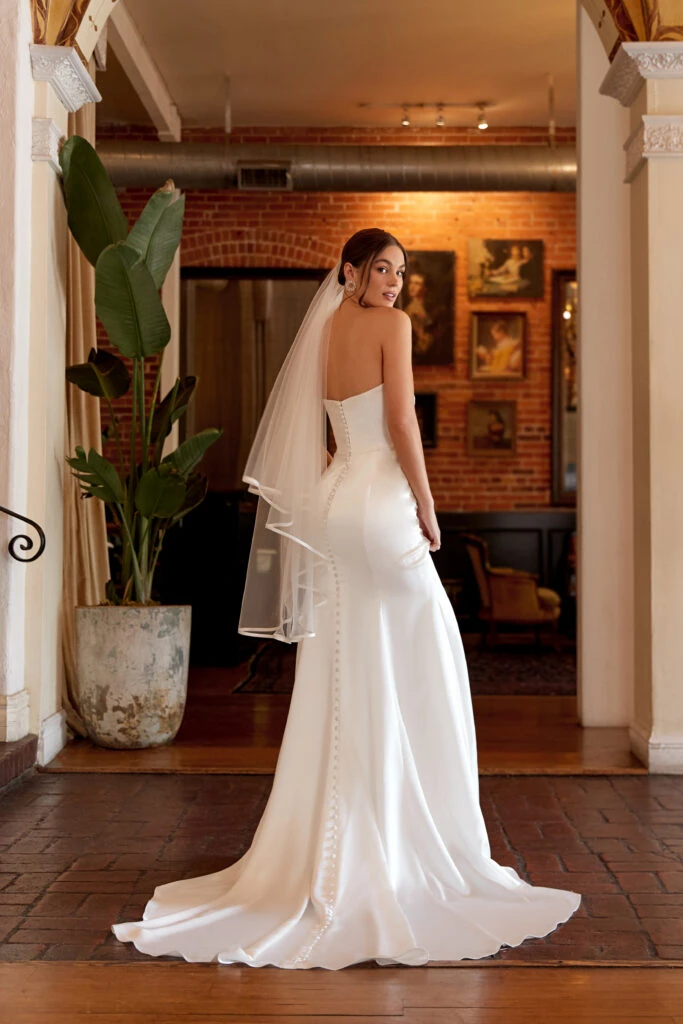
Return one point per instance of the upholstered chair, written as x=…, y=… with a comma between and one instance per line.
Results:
x=510, y=596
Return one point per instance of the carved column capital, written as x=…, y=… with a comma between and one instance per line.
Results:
x=657, y=135
x=636, y=62
x=45, y=139
x=64, y=70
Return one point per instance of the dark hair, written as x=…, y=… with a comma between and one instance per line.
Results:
x=362, y=249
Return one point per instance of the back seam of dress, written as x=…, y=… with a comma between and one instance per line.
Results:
x=329, y=865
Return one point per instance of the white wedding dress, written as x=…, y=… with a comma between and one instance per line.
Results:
x=372, y=844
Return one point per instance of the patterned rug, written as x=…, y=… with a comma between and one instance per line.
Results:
x=510, y=668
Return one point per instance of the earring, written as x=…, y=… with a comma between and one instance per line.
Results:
x=350, y=287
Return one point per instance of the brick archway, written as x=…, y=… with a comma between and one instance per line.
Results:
x=249, y=247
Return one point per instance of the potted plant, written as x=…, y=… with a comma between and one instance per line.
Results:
x=132, y=653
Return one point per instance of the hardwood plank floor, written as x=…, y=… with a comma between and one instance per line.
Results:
x=42, y=993
x=240, y=734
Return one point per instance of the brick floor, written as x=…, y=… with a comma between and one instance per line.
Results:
x=78, y=852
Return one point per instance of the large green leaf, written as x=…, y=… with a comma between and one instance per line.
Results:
x=128, y=303
x=160, y=493
x=104, y=375
x=165, y=241
x=156, y=234
x=94, y=213
x=141, y=232
x=172, y=407
x=197, y=486
x=190, y=453
x=96, y=475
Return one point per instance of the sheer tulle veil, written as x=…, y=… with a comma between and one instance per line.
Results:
x=284, y=467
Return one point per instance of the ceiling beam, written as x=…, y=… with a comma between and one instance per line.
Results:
x=143, y=74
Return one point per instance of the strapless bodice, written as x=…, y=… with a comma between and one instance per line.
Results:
x=358, y=422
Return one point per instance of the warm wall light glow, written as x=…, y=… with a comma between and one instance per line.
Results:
x=440, y=119
x=482, y=120
x=405, y=120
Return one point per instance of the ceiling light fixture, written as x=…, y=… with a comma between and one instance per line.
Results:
x=440, y=119
x=405, y=120
x=482, y=120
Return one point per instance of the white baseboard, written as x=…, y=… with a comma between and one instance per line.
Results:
x=14, y=724
x=663, y=755
x=52, y=737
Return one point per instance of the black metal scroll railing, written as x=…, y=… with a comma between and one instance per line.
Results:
x=23, y=542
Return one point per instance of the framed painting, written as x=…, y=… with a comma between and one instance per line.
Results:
x=428, y=297
x=492, y=427
x=498, y=346
x=505, y=267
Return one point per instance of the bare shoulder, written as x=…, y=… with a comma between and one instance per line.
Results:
x=389, y=313
x=389, y=319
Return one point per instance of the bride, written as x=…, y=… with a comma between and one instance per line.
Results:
x=372, y=844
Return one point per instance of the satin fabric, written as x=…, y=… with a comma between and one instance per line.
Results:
x=372, y=844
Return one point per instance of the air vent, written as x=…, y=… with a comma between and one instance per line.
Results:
x=264, y=177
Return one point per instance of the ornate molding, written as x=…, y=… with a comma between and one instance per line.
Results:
x=658, y=135
x=636, y=62
x=64, y=70
x=45, y=140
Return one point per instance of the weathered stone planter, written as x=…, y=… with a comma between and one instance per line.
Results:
x=132, y=665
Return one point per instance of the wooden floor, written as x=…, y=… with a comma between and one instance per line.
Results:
x=44, y=993
x=226, y=733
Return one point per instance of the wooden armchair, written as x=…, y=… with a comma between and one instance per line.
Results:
x=510, y=595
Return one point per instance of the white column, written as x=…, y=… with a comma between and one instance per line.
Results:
x=44, y=666
x=62, y=84
x=38, y=85
x=16, y=108
x=647, y=78
x=604, y=512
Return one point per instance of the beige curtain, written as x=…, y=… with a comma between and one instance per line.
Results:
x=86, y=568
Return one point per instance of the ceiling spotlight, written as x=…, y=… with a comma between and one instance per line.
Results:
x=405, y=120
x=440, y=119
x=482, y=120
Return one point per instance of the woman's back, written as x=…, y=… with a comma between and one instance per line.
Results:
x=354, y=359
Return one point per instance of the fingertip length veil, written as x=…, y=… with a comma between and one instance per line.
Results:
x=284, y=468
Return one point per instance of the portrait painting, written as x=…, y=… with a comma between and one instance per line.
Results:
x=498, y=346
x=492, y=427
x=428, y=297
x=505, y=267
x=425, y=409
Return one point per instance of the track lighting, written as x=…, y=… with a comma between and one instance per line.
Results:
x=439, y=109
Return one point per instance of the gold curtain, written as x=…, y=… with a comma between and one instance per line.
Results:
x=86, y=568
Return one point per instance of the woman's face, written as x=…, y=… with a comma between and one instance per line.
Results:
x=385, y=277
x=515, y=252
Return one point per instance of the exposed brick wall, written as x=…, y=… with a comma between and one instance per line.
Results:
x=308, y=230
